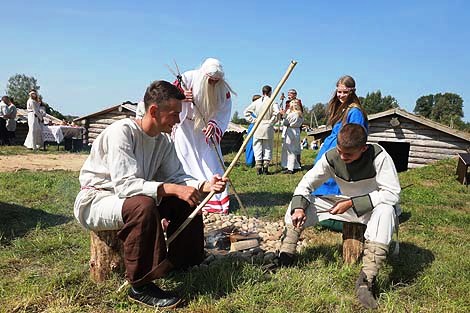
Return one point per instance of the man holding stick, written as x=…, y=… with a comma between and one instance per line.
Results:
x=368, y=179
x=131, y=180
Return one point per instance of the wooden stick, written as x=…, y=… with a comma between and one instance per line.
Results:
x=231, y=186
x=240, y=151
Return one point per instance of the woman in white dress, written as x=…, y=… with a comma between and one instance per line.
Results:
x=34, y=138
x=291, y=141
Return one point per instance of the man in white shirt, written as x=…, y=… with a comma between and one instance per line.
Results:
x=263, y=138
x=3, y=120
x=11, y=121
x=131, y=180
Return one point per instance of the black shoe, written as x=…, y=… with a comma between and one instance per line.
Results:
x=286, y=259
x=364, y=292
x=265, y=171
x=153, y=296
x=259, y=170
x=289, y=172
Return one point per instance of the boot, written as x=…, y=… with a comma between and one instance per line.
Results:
x=375, y=254
x=289, y=240
x=365, y=291
x=259, y=167
x=266, y=167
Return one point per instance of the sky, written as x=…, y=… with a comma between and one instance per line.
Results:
x=90, y=55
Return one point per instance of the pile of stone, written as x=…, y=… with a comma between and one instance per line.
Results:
x=225, y=234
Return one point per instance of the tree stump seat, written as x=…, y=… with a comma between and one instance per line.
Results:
x=353, y=242
x=106, y=255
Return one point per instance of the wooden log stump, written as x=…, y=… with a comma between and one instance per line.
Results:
x=353, y=242
x=106, y=255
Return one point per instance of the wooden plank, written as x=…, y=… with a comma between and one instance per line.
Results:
x=244, y=245
x=426, y=143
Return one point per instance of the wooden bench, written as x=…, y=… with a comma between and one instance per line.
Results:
x=106, y=251
x=353, y=242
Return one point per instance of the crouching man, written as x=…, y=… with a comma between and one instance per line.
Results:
x=369, y=183
x=131, y=180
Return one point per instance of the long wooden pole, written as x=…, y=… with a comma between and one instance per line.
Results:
x=240, y=151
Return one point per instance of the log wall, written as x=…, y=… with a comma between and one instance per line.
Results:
x=426, y=144
x=96, y=124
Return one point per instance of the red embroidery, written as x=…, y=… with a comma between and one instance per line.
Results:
x=228, y=95
x=178, y=84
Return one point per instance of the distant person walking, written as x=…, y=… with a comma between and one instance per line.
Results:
x=34, y=138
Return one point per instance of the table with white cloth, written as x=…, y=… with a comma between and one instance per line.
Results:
x=57, y=133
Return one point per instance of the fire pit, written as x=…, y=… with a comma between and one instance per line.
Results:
x=230, y=239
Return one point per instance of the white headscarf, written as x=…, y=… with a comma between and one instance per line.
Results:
x=208, y=97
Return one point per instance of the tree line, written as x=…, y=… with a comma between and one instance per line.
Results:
x=445, y=108
x=18, y=88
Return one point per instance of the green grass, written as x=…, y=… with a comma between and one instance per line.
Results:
x=44, y=253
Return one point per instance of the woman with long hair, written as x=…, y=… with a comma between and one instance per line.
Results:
x=343, y=108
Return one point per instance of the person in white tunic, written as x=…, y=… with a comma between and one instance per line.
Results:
x=34, y=138
x=131, y=180
x=204, y=119
x=291, y=140
x=370, y=189
x=11, y=121
x=3, y=120
x=263, y=138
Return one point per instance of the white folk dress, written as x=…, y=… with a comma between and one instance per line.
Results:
x=198, y=157
x=34, y=138
x=291, y=141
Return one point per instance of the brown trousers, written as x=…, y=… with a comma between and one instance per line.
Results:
x=145, y=253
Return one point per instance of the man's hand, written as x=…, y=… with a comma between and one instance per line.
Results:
x=341, y=206
x=189, y=96
x=216, y=184
x=298, y=218
x=186, y=193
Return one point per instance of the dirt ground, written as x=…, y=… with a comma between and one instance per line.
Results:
x=42, y=162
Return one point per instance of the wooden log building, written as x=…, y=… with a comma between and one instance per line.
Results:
x=411, y=140
x=95, y=123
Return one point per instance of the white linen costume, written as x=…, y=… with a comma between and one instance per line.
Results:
x=34, y=138
x=291, y=141
x=198, y=155
x=371, y=182
x=263, y=138
x=124, y=161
